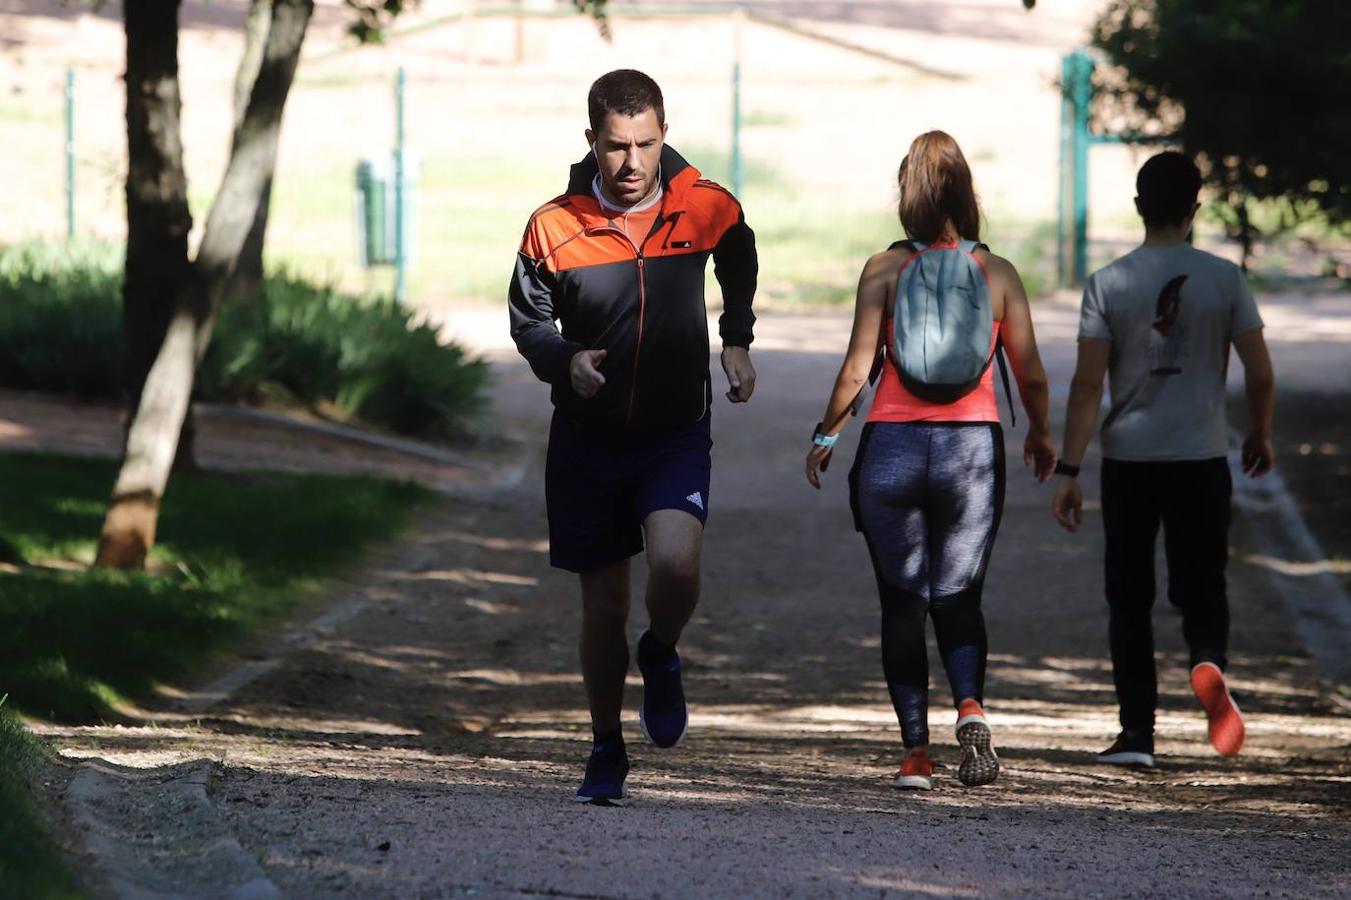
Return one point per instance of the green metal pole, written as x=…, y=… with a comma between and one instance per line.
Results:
x=70, y=153
x=400, y=256
x=736, y=110
x=1083, y=95
x=1062, y=261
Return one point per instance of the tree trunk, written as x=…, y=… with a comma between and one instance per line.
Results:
x=158, y=219
x=248, y=277
x=1245, y=231
x=129, y=529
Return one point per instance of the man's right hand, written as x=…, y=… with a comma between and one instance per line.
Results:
x=586, y=378
x=1068, y=504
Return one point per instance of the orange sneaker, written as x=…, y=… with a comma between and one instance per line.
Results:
x=1225, y=722
x=916, y=772
x=979, y=763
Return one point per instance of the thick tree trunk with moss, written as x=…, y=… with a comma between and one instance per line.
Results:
x=129, y=529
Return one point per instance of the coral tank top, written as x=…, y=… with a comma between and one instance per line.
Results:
x=893, y=403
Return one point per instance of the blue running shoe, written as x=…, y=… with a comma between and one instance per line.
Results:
x=662, y=716
x=603, y=784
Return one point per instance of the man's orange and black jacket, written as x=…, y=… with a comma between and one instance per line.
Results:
x=642, y=304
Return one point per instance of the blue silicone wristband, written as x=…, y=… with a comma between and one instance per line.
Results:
x=825, y=440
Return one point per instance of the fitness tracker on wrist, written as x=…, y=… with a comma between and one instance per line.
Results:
x=1064, y=468
x=821, y=439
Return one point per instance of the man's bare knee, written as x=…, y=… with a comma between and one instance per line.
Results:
x=674, y=571
x=673, y=548
x=605, y=595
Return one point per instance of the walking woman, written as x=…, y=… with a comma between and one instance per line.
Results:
x=927, y=486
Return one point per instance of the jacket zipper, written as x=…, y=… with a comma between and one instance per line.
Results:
x=638, y=347
x=642, y=300
x=642, y=312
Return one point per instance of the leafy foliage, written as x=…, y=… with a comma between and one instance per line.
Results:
x=1258, y=90
x=372, y=17
x=595, y=9
x=61, y=330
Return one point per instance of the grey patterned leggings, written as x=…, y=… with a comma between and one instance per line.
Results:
x=928, y=497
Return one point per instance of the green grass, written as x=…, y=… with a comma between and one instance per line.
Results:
x=234, y=552
x=471, y=211
x=1030, y=246
x=470, y=214
x=763, y=118
x=13, y=113
x=30, y=861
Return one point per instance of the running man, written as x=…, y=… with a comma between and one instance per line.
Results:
x=1158, y=322
x=619, y=261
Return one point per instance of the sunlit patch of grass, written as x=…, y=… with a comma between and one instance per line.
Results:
x=233, y=553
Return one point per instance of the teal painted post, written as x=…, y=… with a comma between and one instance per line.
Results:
x=1082, y=81
x=400, y=252
x=70, y=153
x=1062, y=250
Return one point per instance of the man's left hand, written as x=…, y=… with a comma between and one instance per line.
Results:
x=736, y=362
x=1258, y=455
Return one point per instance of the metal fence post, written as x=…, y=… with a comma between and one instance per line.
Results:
x=1076, y=96
x=1083, y=96
x=1064, y=252
x=400, y=252
x=70, y=153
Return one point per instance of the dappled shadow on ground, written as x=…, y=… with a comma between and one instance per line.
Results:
x=432, y=742
x=466, y=667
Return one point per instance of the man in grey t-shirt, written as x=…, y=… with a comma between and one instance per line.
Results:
x=1158, y=322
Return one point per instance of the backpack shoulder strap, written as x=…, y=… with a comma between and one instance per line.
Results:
x=999, y=354
x=972, y=246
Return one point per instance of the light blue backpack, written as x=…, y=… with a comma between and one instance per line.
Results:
x=940, y=339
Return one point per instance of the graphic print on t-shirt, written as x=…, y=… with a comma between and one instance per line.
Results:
x=1168, y=339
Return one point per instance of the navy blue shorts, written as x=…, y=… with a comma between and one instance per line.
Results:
x=600, y=488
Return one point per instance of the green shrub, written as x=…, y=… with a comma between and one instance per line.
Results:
x=61, y=330
x=61, y=319
x=413, y=385
x=317, y=344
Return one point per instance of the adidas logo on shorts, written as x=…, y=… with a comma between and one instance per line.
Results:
x=697, y=499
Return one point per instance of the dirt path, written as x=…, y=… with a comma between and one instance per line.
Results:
x=429, y=744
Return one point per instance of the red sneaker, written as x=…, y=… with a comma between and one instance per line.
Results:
x=1225, y=722
x=916, y=772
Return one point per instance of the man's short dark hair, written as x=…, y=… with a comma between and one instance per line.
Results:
x=1166, y=188
x=624, y=91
